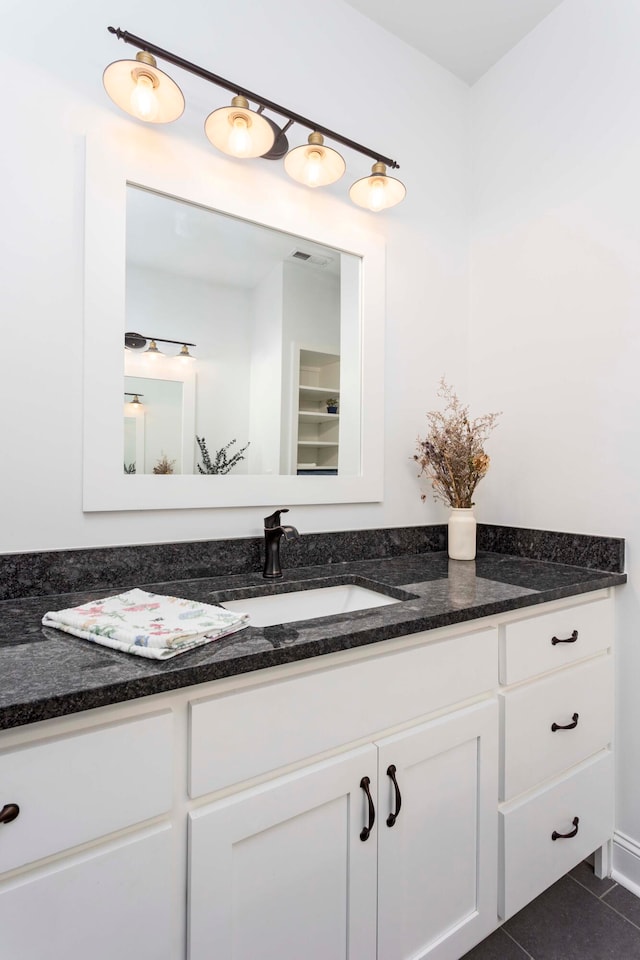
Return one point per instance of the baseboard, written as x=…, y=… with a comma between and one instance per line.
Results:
x=626, y=862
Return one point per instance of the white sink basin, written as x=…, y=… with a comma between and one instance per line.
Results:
x=307, y=604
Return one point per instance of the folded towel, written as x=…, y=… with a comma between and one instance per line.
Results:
x=147, y=624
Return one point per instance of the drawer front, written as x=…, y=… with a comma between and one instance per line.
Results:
x=246, y=734
x=527, y=647
x=84, y=786
x=531, y=859
x=533, y=751
x=115, y=902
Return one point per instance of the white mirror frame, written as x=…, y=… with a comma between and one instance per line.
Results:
x=161, y=163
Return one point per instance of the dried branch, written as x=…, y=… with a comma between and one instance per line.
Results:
x=452, y=455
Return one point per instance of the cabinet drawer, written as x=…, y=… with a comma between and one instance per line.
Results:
x=533, y=752
x=527, y=647
x=112, y=902
x=84, y=786
x=532, y=861
x=241, y=735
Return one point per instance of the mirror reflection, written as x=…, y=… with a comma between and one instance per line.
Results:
x=257, y=334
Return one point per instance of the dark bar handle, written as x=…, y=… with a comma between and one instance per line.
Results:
x=566, y=726
x=567, y=836
x=571, y=639
x=391, y=772
x=9, y=812
x=366, y=831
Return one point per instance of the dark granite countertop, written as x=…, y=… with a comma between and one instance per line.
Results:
x=45, y=673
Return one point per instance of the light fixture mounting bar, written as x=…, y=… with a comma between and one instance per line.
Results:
x=242, y=91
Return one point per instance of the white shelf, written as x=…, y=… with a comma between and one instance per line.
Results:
x=316, y=443
x=317, y=430
x=313, y=416
x=319, y=391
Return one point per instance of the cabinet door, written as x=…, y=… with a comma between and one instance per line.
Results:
x=281, y=871
x=110, y=902
x=437, y=862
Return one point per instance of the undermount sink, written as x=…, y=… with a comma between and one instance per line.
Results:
x=278, y=608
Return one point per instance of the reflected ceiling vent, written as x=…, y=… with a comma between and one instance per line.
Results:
x=314, y=258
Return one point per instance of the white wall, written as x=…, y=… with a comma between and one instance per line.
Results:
x=333, y=65
x=555, y=335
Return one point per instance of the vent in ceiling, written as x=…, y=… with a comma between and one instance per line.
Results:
x=303, y=257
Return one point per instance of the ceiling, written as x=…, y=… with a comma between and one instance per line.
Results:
x=171, y=235
x=465, y=36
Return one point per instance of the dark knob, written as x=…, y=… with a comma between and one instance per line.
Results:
x=567, y=836
x=566, y=726
x=366, y=831
x=571, y=639
x=9, y=812
x=391, y=773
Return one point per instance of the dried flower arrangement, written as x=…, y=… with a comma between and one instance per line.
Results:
x=452, y=454
x=163, y=464
x=220, y=463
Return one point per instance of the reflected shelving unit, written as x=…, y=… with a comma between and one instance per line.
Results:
x=317, y=441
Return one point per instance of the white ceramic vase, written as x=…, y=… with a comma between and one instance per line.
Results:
x=462, y=534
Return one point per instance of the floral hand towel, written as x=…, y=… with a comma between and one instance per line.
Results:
x=147, y=624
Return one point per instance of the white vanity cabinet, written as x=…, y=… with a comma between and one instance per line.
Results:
x=556, y=704
x=390, y=843
x=226, y=819
x=85, y=866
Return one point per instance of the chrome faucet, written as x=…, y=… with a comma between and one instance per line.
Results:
x=274, y=531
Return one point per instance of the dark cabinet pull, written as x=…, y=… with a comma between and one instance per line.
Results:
x=365, y=832
x=391, y=772
x=9, y=812
x=567, y=836
x=571, y=639
x=566, y=726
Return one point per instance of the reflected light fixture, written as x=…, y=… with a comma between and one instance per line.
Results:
x=143, y=91
x=313, y=163
x=136, y=341
x=239, y=131
x=153, y=349
x=136, y=403
x=378, y=191
x=139, y=88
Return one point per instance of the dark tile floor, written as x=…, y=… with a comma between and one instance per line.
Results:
x=578, y=918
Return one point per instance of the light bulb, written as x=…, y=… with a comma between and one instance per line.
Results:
x=144, y=101
x=377, y=196
x=313, y=168
x=239, y=138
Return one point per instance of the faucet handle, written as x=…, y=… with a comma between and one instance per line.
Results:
x=273, y=521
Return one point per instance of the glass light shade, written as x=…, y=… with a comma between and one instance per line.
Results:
x=379, y=191
x=153, y=351
x=239, y=131
x=143, y=91
x=184, y=353
x=313, y=164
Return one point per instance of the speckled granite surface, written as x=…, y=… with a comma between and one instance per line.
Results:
x=64, y=571
x=45, y=673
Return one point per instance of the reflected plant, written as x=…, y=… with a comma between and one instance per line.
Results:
x=221, y=463
x=163, y=464
x=130, y=467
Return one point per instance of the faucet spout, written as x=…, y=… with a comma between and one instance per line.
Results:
x=274, y=531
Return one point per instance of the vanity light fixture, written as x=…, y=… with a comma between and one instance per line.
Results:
x=136, y=341
x=139, y=88
x=143, y=91
x=153, y=349
x=136, y=402
x=314, y=164
x=378, y=191
x=239, y=131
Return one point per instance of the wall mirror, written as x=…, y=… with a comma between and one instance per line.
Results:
x=278, y=397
